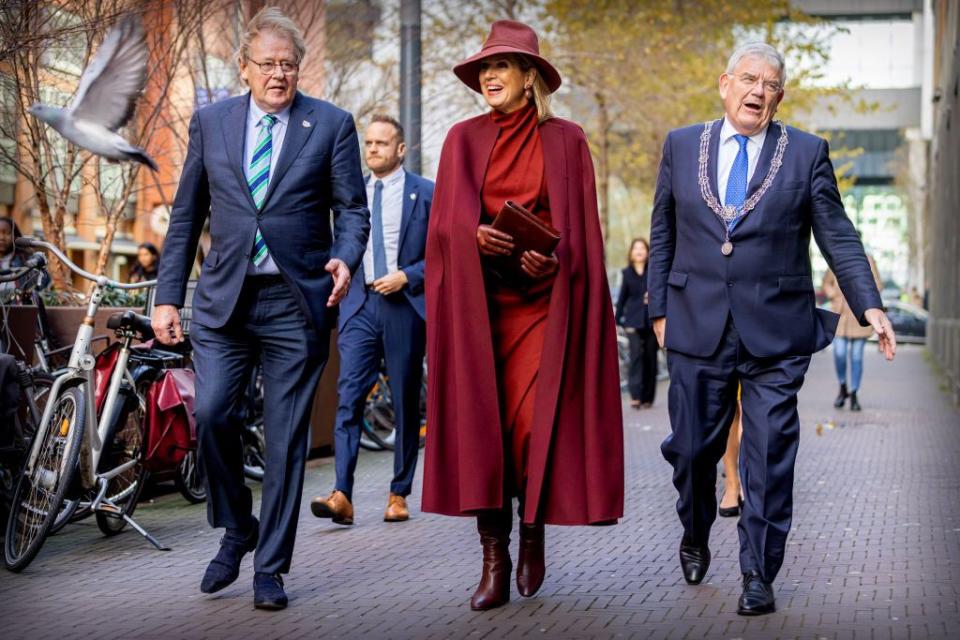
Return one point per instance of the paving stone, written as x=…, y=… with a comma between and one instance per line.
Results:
x=874, y=550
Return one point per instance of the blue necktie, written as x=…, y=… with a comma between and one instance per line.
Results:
x=258, y=177
x=379, y=248
x=737, y=182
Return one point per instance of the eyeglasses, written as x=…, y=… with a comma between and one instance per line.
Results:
x=268, y=68
x=769, y=86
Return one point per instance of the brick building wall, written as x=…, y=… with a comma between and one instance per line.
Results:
x=944, y=268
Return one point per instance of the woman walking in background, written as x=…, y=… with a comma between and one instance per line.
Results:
x=147, y=263
x=524, y=393
x=850, y=339
x=632, y=315
x=732, y=497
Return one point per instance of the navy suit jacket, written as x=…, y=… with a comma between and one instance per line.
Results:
x=417, y=198
x=318, y=172
x=765, y=284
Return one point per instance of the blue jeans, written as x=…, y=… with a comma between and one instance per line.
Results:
x=841, y=346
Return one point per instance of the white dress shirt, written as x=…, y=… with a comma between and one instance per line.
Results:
x=392, y=208
x=254, y=116
x=727, y=153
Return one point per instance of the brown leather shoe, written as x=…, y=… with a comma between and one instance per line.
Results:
x=336, y=506
x=494, y=588
x=531, y=568
x=396, y=509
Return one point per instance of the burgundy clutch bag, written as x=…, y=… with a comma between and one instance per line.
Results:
x=529, y=233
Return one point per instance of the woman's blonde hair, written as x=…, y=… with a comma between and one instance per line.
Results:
x=272, y=19
x=541, y=93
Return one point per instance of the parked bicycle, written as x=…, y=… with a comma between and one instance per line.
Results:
x=378, y=429
x=32, y=386
x=102, y=450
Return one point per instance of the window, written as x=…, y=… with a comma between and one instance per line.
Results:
x=68, y=46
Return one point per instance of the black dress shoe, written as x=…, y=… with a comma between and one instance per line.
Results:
x=225, y=566
x=731, y=512
x=694, y=561
x=268, y=591
x=757, y=598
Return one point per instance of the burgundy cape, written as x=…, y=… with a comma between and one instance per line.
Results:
x=575, y=468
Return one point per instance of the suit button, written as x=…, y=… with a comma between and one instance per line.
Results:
x=730, y=283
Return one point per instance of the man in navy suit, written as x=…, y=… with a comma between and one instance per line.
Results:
x=732, y=299
x=382, y=317
x=267, y=168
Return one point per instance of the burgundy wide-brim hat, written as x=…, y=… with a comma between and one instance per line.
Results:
x=508, y=36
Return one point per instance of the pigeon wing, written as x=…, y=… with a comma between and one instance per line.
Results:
x=115, y=77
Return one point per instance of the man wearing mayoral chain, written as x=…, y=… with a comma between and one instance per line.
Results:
x=732, y=300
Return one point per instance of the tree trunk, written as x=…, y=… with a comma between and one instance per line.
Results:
x=603, y=170
x=53, y=233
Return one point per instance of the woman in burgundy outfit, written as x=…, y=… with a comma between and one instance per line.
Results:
x=524, y=393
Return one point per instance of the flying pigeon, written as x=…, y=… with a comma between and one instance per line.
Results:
x=108, y=93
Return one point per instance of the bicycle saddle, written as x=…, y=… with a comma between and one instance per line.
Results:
x=130, y=321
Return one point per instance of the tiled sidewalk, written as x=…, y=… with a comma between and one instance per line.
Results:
x=874, y=551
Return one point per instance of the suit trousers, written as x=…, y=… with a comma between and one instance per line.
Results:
x=702, y=402
x=267, y=325
x=385, y=328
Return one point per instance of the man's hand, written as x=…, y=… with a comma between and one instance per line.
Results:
x=390, y=283
x=660, y=329
x=538, y=266
x=166, y=324
x=341, y=281
x=881, y=324
x=493, y=242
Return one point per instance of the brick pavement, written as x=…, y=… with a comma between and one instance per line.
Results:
x=873, y=552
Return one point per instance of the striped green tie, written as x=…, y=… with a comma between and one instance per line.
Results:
x=258, y=177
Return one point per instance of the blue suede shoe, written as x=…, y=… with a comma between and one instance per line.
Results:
x=268, y=591
x=225, y=567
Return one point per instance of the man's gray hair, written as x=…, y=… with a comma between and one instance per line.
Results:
x=272, y=19
x=762, y=50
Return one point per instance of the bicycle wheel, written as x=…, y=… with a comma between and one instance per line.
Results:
x=65, y=515
x=254, y=451
x=125, y=447
x=38, y=496
x=189, y=478
x=379, y=421
x=32, y=401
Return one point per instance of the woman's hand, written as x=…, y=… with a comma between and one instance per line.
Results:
x=493, y=242
x=538, y=266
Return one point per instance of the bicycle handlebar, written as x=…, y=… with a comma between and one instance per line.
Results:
x=34, y=243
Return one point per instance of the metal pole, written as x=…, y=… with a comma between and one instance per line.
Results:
x=410, y=116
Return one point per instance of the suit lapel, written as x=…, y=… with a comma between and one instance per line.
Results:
x=411, y=193
x=713, y=153
x=234, y=121
x=766, y=154
x=293, y=140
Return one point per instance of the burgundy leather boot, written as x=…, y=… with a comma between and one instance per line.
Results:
x=531, y=567
x=494, y=589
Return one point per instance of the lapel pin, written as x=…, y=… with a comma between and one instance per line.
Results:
x=306, y=125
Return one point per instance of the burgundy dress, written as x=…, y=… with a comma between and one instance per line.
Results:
x=518, y=315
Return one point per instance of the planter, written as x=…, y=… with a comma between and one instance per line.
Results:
x=64, y=322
